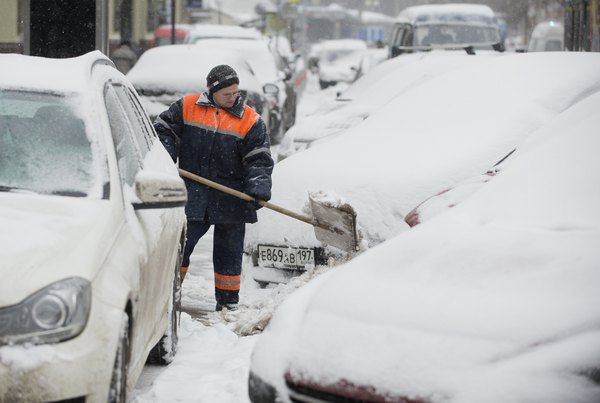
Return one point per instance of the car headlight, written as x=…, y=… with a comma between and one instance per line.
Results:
x=56, y=313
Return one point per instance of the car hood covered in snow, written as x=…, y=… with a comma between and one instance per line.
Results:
x=493, y=301
x=452, y=127
x=46, y=242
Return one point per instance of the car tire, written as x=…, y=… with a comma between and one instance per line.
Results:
x=164, y=351
x=117, y=392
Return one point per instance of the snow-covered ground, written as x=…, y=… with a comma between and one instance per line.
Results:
x=213, y=358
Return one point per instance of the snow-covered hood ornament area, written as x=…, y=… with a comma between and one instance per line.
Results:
x=45, y=238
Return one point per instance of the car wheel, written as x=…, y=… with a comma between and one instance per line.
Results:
x=118, y=384
x=164, y=351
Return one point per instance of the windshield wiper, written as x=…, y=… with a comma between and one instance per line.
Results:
x=6, y=188
x=67, y=192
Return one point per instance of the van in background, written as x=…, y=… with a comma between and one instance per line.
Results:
x=547, y=36
x=446, y=26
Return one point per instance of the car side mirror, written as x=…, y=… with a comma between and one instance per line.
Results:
x=157, y=190
x=395, y=51
x=271, y=89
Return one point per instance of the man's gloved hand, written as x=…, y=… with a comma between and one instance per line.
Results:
x=258, y=198
x=255, y=203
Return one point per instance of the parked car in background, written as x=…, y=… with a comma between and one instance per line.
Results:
x=446, y=26
x=547, y=36
x=491, y=301
x=273, y=73
x=199, y=32
x=446, y=129
x=163, y=75
x=291, y=61
x=93, y=226
x=163, y=34
x=338, y=60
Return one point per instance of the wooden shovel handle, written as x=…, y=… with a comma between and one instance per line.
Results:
x=245, y=196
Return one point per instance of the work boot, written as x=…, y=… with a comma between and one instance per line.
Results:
x=182, y=272
x=229, y=307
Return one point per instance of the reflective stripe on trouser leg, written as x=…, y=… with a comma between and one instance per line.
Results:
x=228, y=248
x=182, y=272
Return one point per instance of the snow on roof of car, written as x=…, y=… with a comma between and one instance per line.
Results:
x=548, y=28
x=205, y=31
x=448, y=13
x=49, y=74
x=334, y=44
x=185, y=67
x=448, y=128
x=257, y=53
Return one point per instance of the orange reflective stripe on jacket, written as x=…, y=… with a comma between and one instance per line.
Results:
x=223, y=282
x=217, y=120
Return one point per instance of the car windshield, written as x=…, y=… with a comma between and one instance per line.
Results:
x=43, y=145
x=330, y=56
x=427, y=35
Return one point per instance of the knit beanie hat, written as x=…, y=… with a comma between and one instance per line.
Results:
x=220, y=77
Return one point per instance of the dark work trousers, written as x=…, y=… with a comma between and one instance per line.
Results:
x=228, y=248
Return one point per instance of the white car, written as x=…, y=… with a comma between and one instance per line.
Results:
x=547, y=36
x=494, y=301
x=338, y=60
x=93, y=225
x=162, y=75
x=440, y=132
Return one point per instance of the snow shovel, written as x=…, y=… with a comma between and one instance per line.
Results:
x=334, y=225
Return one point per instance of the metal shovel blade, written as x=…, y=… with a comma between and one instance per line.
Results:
x=335, y=224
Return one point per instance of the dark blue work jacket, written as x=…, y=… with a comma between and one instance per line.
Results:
x=228, y=146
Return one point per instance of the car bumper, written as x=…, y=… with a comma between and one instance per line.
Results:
x=80, y=368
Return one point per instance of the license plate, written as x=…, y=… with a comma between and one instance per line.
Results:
x=285, y=257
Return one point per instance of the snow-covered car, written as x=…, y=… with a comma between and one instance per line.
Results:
x=164, y=74
x=93, y=225
x=493, y=301
x=199, y=32
x=369, y=93
x=444, y=130
x=272, y=72
x=338, y=60
x=448, y=26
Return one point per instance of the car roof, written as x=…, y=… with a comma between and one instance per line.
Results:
x=50, y=74
x=222, y=31
x=185, y=67
x=548, y=28
x=448, y=13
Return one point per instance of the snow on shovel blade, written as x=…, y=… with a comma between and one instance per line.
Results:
x=334, y=222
